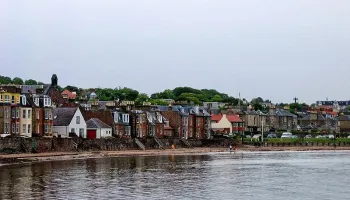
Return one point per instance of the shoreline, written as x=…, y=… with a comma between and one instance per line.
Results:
x=25, y=158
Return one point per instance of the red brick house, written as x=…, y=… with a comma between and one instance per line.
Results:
x=178, y=119
x=42, y=114
x=138, y=124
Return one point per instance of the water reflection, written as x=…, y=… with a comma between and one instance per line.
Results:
x=214, y=176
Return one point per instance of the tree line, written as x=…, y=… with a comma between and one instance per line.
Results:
x=188, y=95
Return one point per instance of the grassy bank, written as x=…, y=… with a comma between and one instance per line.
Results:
x=302, y=140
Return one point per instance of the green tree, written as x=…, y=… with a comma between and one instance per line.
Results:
x=30, y=82
x=72, y=88
x=158, y=102
x=217, y=98
x=142, y=97
x=17, y=81
x=5, y=80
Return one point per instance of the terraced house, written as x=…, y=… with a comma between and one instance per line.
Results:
x=42, y=117
x=281, y=119
x=9, y=102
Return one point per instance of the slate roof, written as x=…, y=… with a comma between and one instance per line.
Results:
x=254, y=112
x=96, y=123
x=284, y=113
x=63, y=116
x=319, y=117
x=343, y=118
x=25, y=89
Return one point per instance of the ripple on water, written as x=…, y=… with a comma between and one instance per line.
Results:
x=250, y=175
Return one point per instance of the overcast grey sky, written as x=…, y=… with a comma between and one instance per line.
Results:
x=276, y=49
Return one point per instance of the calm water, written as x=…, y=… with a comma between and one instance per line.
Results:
x=270, y=175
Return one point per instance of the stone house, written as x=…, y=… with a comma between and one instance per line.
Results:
x=42, y=114
x=343, y=125
x=178, y=119
x=281, y=119
x=254, y=120
x=138, y=124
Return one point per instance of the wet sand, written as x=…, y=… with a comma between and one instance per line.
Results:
x=56, y=156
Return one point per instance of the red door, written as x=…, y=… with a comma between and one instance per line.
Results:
x=91, y=134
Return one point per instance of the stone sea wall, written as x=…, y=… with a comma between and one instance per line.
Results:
x=40, y=145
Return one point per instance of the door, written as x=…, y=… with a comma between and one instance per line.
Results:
x=91, y=134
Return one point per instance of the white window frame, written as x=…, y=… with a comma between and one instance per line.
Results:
x=17, y=113
x=29, y=128
x=0, y=97
x=24, y=128
x=77, y=119
x=17, y=128
x=13, y=128
x=46, y=114
x=46, y=128
x=37, y=114
x=29, y=112
x=13, y=99
x=7, y=98
x=24, y=113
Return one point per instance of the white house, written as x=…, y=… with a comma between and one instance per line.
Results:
x=68, y=120
x=97, y=129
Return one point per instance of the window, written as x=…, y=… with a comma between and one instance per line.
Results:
x=36, y=101
x=13, y=128
x=46, y=114
x=29, y=113
x=77, y=119
x=7, y=114
x=38, y=128
x=13, y=99
x=17, y=128
x=127, y=130
x=7, y=98
x=24, y=100
x=37, y=114
x=7, y=127
x=24, y=128
x=18, y=100
x=24, y=114
x=72, y=130
x=17, y=113
x=50, y=114
x=13, y=112
x=81, y=132
x=46, y=128
x=29, y=128
x=50, y=128
x=0, y=97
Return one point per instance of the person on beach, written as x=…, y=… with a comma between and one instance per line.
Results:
x=230, y=148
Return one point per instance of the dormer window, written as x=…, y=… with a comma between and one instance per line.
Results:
x=47, y=102
x=24, y=100
x=36, y=101
x=7, y=98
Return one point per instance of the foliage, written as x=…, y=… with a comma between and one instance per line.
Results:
x=108, y=94
x=30, y=82
x=158, y=102
x=142, y=97
x=298, y=107
x=5, y=80
x=17, y=81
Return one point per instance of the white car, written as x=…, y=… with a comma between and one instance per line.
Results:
x=331, y=136
x=287, y=135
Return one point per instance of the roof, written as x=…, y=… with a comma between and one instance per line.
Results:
x=254, y=112
x=233, y=118
x=70, y=95
x=344, y=118
x=63, y=116
x=96, y=123
x=284, y=113
x=216, y=117
x=105, y=116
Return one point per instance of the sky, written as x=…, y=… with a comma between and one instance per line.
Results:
x=274, y=49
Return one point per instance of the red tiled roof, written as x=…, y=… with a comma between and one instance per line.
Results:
x=233, y=118
x=216, y=117
x=70, y=95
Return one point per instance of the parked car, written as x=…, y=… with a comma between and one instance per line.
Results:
x=272, y=135
x=294, y=136
x=319, y=136
x=349, y=136
x=331, y=136
x=287, y=135
x=308, y=136
x=248, y=136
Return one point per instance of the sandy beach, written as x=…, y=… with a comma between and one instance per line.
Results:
x=56, y=156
